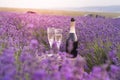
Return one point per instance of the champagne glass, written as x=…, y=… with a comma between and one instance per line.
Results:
x=58, y=37
x=50, y=33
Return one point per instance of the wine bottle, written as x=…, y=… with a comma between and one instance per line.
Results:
x=72, y=41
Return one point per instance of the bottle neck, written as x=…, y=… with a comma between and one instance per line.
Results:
x=72, y=29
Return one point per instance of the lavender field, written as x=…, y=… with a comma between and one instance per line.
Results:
x=24, y=48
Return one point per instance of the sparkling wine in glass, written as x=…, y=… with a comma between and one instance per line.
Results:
x=50, y=33
x=58, y=37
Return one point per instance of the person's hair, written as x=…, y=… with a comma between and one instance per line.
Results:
x=72, y=19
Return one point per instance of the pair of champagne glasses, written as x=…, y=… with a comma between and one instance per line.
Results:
x=54, y=35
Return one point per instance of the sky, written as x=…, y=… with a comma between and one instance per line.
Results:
x=46, y=4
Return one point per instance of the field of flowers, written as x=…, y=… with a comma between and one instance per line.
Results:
x=24, y=48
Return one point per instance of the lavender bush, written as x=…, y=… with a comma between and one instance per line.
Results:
x=25, y=53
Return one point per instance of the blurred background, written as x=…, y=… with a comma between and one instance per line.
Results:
x=79, y=5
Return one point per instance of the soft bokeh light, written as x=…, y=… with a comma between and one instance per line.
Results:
x=56, y=3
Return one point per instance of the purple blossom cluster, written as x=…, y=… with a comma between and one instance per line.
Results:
x=25, y=53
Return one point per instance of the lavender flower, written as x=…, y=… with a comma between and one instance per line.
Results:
x=25, y=55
